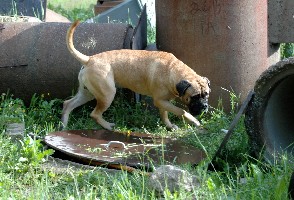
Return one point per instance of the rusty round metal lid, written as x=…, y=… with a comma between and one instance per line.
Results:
x=130, y=149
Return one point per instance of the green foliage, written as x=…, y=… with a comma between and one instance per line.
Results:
x=287, y=50
x=74, y=14
x=43, y=116
x=251, y=180
x=23, y=156
x=151, y=34
x=11, y=110
x=31, y=154
x=21, y=163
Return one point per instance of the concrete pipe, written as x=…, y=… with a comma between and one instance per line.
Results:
x=270, y=115
x=34, y=57
x=224, y=40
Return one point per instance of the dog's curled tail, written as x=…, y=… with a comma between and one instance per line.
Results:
x=69, y=42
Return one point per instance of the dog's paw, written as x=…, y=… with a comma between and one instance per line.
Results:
x=109, y=126
x=196, y=123
x=172, y=127
x=60, y=127
x=191, y=119
x=112, y=125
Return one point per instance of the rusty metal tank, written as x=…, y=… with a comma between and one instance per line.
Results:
x=224, y=40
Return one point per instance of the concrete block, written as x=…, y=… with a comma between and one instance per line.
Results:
x=281, y=21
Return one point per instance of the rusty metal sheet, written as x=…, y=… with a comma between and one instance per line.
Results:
x=281, y=21
x=130, y=149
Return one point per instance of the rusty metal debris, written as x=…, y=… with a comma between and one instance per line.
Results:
x=138, y=150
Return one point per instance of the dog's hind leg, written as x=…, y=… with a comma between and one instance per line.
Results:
x=96, y=114
x=104, y=99
x=101, y=107
x=82, y=97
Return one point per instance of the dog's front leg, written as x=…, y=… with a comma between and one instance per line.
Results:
x=192, y=120
x=165, y=106
x=165, y=119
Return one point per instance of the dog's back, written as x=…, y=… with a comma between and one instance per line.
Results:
x=141, y=67
x=137, y=65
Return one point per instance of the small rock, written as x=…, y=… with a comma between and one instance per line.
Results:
x=172, y=178
x=15, y=131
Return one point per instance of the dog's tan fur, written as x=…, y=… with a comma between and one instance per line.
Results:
x=152, y=73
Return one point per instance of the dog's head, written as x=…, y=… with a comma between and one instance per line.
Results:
x=194, y=94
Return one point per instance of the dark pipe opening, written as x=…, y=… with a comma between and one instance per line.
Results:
x=278, y=119
x=269, y=118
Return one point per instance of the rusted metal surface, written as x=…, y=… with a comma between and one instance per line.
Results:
x=101, y=147
x=35, y=59
x=281, y=21
x=224, y=40
x=102, y=6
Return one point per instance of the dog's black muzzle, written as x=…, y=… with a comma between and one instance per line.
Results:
x=198, y=105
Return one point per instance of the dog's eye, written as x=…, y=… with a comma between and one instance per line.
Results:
x=204, y=94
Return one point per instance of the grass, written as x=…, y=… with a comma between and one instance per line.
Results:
x=22, y=175
x=287, y=50
x=73, y=9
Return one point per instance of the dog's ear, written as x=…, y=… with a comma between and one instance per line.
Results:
x=182, y=86
x=208, y=81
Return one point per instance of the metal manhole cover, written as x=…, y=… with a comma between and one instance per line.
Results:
x=100, y=147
